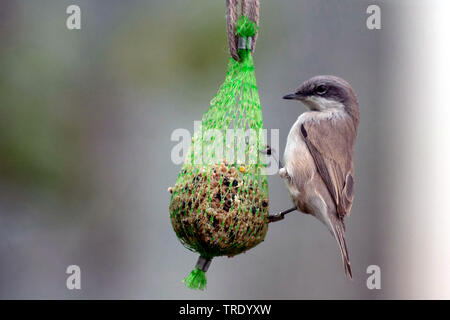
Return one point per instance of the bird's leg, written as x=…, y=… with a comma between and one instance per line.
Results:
x=280, y=216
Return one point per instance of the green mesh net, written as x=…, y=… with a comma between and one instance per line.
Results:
x=219, y=204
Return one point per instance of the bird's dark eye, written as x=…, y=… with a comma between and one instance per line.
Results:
x=322, y=89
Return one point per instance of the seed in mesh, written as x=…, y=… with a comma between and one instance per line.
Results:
x=219, y=210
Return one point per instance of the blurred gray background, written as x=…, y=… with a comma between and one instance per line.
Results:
x=85, y=124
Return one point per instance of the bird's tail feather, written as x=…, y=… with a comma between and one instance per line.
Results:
x=339, y=233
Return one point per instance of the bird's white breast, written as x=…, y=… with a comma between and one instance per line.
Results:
x=297, y=158
x=295, y=145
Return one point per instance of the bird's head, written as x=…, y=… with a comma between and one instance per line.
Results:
x=323, y=93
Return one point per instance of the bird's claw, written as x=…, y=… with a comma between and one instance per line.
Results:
x=280, y=216
x=276, y=217
x=267, y=150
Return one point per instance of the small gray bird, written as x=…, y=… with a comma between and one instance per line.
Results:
x=319, y=154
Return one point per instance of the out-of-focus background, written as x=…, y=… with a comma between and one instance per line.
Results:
x=85, y=124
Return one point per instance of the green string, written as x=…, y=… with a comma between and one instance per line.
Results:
x=246, y=27
x=196, y=280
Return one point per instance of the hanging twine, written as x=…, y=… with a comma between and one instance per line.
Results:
x=249, y=9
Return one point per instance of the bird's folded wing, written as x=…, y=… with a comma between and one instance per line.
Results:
x=330, y=143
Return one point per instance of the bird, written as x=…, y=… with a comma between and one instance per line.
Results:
x=318, y=158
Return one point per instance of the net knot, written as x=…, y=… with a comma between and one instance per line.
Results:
x=246, y=27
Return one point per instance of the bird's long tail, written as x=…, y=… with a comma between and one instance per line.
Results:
x=339, y=234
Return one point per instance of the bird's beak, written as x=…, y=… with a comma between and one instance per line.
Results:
x=292, y=96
